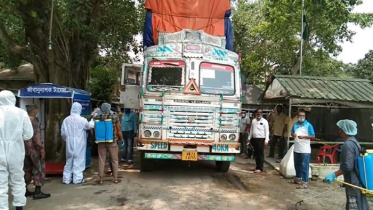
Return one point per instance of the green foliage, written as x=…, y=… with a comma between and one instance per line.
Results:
x=364, y=67
x=267, y=34
x=80, y=30
x=102, y=82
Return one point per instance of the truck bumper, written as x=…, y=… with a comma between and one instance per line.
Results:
x=177, y=156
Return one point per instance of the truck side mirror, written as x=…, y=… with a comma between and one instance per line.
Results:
x=243, y=82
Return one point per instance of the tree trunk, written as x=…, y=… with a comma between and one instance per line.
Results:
x=58, y=69
x=66, y=64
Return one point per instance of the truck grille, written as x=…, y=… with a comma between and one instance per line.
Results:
x=191, y=122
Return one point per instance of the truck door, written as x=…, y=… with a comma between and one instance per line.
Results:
x=130, y=91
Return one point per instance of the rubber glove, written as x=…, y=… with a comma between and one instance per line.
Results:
x=121, y=144
x=330, y=178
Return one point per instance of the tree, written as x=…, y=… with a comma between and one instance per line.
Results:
x=267, y=34
x=61, y=49
x=364, y=67
x=102, y=82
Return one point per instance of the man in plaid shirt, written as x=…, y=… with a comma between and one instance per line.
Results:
x=110, y=147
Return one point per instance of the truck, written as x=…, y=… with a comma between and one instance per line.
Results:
x=188, y=91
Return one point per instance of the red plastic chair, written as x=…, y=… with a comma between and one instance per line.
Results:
x=324, y=151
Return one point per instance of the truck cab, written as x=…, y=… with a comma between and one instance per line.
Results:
x=189, y=101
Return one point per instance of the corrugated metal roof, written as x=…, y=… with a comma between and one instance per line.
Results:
x=357, y=90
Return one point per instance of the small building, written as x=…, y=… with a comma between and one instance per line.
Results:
x=251, y=100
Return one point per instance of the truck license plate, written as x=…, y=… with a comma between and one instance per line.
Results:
x=189, y=156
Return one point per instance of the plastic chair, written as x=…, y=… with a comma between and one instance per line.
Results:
x=324, y=151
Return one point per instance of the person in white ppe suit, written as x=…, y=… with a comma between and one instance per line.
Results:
x=15, y=127
x=74, y=131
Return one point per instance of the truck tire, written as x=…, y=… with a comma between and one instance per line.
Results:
x=145, y=164
x=223, y=166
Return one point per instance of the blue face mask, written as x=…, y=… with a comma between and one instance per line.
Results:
x=259, y=117
x=127, y=111
x=301, y=120
x=37, y=116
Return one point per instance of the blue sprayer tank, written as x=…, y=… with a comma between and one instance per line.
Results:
x=104, y=131
x=365, y=166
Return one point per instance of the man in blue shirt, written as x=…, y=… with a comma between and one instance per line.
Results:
x=303, y=133
x=129, y=130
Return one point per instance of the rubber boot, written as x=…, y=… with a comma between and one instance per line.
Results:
x=19, y=208
x=28, y=193
x=39, y=194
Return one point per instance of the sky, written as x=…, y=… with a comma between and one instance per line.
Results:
x=362, y=41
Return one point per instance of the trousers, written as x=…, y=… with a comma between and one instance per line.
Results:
x=258, y=144
x=103, y=149
x=281, y=149
x=34, y=170
x=302, y=166
x=128, y=145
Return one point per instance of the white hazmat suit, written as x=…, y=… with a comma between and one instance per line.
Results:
x=74, y=131
x=15, y=127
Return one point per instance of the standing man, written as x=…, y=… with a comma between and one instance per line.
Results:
x=110, y=147
x=303, y=133
x=259, y=137
x=129, y=130
x=244, y=128
x=35, y=154
x=74, y=132
x=278, y=128
x=356, y=200
x=15, y=127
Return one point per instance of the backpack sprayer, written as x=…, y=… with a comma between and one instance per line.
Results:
x=364, y=173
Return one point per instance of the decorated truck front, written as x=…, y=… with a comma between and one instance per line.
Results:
x=190, y=100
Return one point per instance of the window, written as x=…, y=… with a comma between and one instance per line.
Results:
x=165, y=75
x=217, y=79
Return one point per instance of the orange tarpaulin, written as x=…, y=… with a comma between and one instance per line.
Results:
x=175, y=15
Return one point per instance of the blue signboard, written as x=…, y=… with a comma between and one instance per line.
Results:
x=48, y=90
x=85, y=102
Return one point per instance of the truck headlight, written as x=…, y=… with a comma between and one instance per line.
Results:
x=223, y=137
x=232, y=137
x=147, y=133
x=156, y=134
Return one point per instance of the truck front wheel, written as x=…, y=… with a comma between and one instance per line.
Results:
x=145, y=164
x=223, y=166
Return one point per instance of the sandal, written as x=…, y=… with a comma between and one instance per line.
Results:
x=100, y=181
x=302, y=186
x=258, y=171
x=116, y=181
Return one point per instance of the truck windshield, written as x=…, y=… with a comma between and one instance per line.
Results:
x=217, y=79
x=165, y=75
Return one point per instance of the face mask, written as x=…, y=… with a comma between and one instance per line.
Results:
x=127, y=111
x=258, y=117
x=243, y=116
x=301, y=120
x=37, y=116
